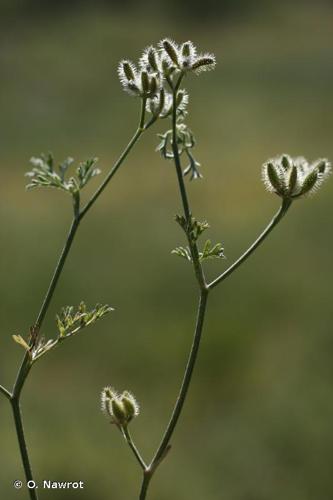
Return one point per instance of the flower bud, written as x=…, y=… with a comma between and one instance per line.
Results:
x=294, y=177
x=171, y=49
x=120, y=408
x=145, y=84
x=204, y=63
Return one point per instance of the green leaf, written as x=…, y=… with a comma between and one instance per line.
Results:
x=182, y=252
x=70, y=322
x=211, y=252
x=43, y=173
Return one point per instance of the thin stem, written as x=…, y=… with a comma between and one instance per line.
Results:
x=23, y=447
x=165, y=442
x=186, y=380
x=145, y=483
x=133, y=141
x=26, y=362
x=286, y=203
x=186, y=206
x=5, y=392
x=25, y=366
x=131, y=444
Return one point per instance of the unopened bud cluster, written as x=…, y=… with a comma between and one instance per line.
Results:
x=294, y=177
x=158, y=66
x=121, y=408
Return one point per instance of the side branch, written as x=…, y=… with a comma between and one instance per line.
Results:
x=131, y=444
x=4, y=391
x=141, y=128
x=276, y=219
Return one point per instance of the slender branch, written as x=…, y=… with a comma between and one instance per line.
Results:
x=131, y=444
x=186, y=206
x=186, y=380
x=286, y=203
x=165, y=442
x=24, y=369
x=141, y=128
x=23, y=447
x=26, y=362
x=5, y=392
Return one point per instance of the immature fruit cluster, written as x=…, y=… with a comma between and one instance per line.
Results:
x=294, y=177
x=121, y=408
x=157, y=68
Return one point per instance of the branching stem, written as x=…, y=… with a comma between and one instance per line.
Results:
x=286, y=203
x=26, y=362
x=130, y=442
x=165, y=443
x=204, y=290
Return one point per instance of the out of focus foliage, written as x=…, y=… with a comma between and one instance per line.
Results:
x=258, y=422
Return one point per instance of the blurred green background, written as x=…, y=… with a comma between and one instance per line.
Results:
x=258, y=421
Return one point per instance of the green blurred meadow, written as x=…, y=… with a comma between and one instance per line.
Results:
x=258, y=421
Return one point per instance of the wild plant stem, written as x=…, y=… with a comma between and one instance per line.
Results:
x=165, y=443
x=131, y=444
x=5, y=392
x=23, y=447
x=26, y=362
x=286, y=203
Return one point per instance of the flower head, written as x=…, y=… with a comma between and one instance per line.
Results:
x=184, y=57
x=121, y=408
x=139, y=83
x=294, y=177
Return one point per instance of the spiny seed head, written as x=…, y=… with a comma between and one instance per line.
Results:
x=294, y=177
x=127, y=71
x=130, y=404
x=145, y=83
x=205, y=62
x=188, y=49
x=120, y=408
x=150, y=60
x=171, y=49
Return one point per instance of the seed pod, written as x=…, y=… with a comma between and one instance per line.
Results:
x=153, y=86
x=309, y=182
x=292, y=179
x=118, y=412
x=152, y=58
x=128, y=70
x=204, y=63
x=161, y=101
x=322, y=166
x=274, y=178
x=286, y=162
x=186, y=49
x=145, y=85
x=171, y=49
x=130, y=405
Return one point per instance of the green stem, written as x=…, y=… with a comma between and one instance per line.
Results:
x=186, y=206
x=5, y=392
x=286, y=203
x=186, y=381
x=165, y=442
x=145, y=484
x=26, y=364
x=133, y=141
x=23, y=447
x=131, y=444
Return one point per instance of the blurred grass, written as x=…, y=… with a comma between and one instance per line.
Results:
x=257, y=424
